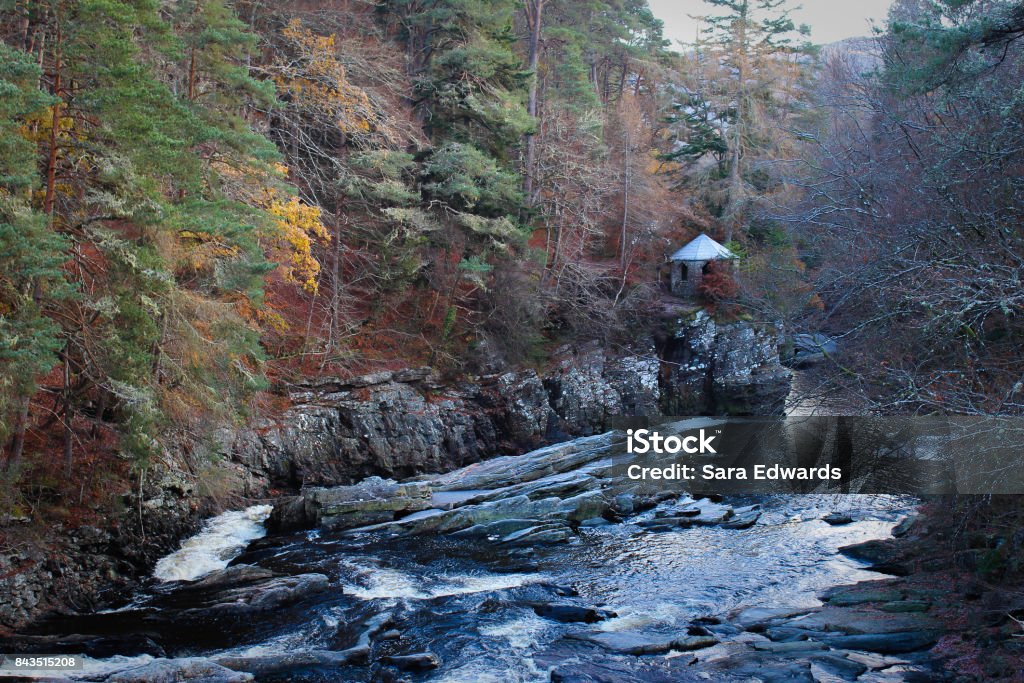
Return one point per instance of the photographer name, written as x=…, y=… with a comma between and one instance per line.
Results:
x=644, y=441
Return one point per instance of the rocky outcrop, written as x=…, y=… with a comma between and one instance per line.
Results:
x=371, y=501
x=83, y=567
x=715, y=368
x=588, y=387
x=400, y=424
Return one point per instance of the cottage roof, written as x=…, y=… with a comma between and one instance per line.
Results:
x=702, y=249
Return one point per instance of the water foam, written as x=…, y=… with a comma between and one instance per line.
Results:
x=377, y=582
x=221, y=540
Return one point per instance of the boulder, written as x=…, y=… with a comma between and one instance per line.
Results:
x=263, y=596
x=420, y=661
x=267, y=665
x=885, y=643
x=371, y=501
x=175, y=670
x=628, y=643
x=837, y=519
x=568, y=614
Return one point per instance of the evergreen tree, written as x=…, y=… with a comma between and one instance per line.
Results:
x=754, y=54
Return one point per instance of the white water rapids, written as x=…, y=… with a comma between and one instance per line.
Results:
x=221, y=540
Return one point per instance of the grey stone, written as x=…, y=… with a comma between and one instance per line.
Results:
x=885, y=643
x=421, y=661
x=174, y=670
x=567, y=613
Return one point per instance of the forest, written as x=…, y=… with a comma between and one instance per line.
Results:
x=204, y=201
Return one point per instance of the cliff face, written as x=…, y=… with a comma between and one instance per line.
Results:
x=399, y=424
x=723, y=369
x=402, y=424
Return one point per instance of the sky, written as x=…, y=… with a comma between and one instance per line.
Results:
x=830, y=20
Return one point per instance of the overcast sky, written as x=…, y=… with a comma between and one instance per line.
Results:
x=830, y=20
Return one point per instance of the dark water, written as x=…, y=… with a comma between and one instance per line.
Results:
x=470, y=603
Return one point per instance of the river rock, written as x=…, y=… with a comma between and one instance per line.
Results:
x=539, y=535
x=629, y=643
x=230, y=577
x=875, y=552
x=863, y=621
x=420, y=661
x=373, y=500
x=575, y=509
x=567, y=613
x=885, y=643
x=837, y=519
x=175, y=670
x=96, y=646
x=504, y=471
x=762, y=666
x=267, y=665
x=861, y=593
x=264, y=596
x=757, y=618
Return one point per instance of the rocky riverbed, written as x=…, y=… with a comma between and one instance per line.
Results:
x=524, y=568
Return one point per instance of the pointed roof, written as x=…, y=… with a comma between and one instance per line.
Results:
x=702, y=249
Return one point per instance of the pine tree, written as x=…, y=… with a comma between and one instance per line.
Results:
x=753, y=45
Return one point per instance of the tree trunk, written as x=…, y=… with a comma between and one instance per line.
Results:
x=49, y=204
x=732, y=213
x=67, y=417
x=534, y=11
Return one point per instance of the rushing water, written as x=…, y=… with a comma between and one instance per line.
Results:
x=469, y=602
x=220, y=541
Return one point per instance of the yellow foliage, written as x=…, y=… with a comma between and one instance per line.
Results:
x=321, y=82
x=299, y=224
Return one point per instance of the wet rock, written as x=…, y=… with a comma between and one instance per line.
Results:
x=175, y=670
x=863, y=621
x=594, y=522
x=875, y=552
x=540, y=535
x=567, y=613
x=275, y=664
x=498, y=529
x=859, y=594
x=837, y=519
x=289, y=514
x=624, y=504
x=906, y=606
x=790, y=647
x=838, y=665
x=371, y=501
x=96, y=646
x=260, y=597
x=757, y=618
x=743, y=518
x=642, y=644
x=230, y=577
x=905, y=525
x=421, y=661
x=885, y=643
x=763, y=666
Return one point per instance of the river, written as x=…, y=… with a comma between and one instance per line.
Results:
x=473, y=604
